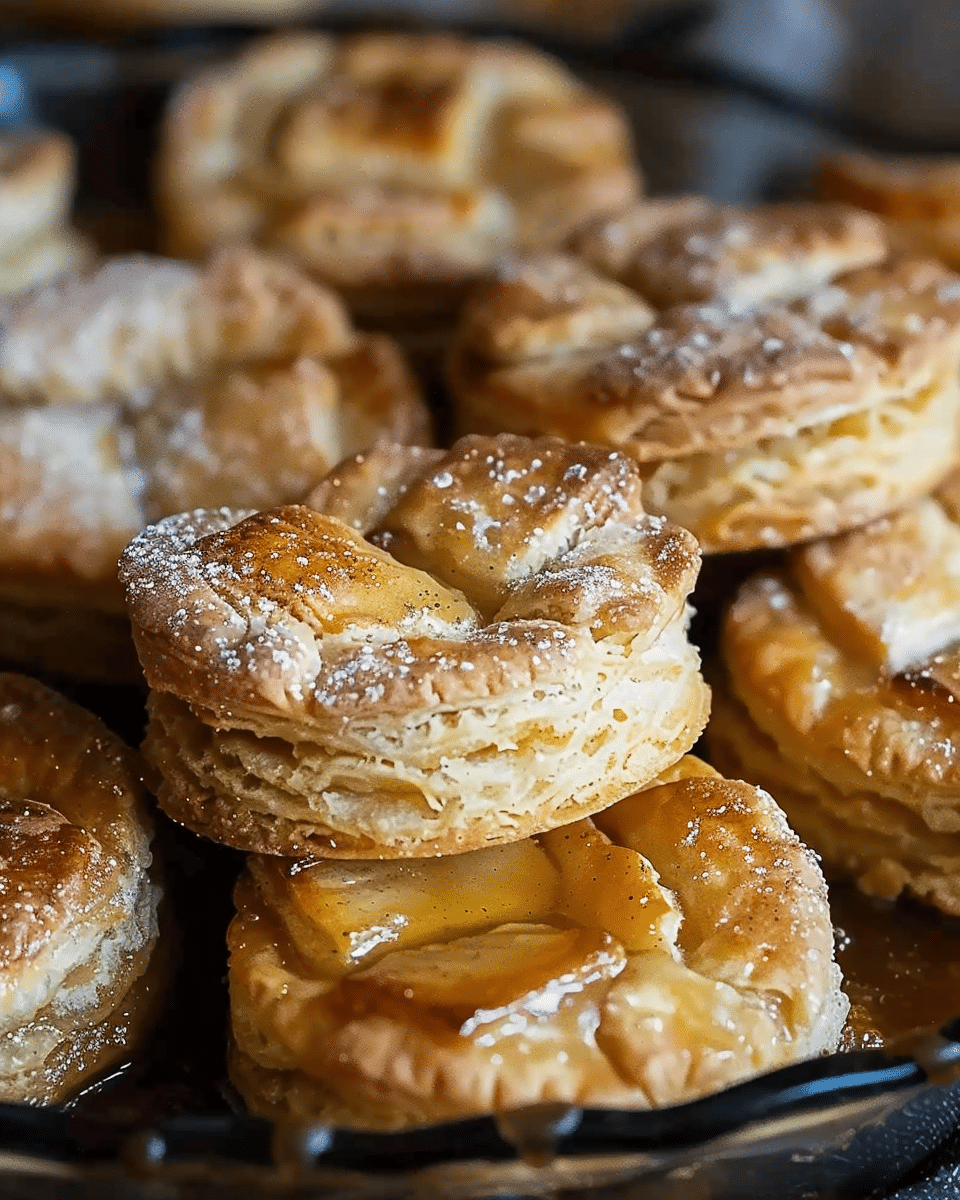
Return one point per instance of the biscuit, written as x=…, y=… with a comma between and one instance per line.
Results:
x=597, y=964
x=841, y=691
x=450, y=650
x=149, y=387
x=792, y=405
x=79, y=972
x=397, y=168
x=916, y=196
x=36, y=190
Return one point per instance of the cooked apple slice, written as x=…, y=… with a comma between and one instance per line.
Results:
x=890, y=591
x=355, y=909
x=610, y=887
x=471, y=981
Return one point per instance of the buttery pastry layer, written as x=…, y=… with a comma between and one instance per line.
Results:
x=78, y=904
x=447, y=650
x=726, y=403
x=599, y=963
x=843, y=687
x=397, y=168
x=150, y=387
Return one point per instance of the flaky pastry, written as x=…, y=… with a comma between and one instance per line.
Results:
x=791, y=405
x=36, y=191
x=447, y=650
x=78, y=903
x=149, y=387
x=918, y=197
x=842, y=692
x=397, y=168
x=667, y=947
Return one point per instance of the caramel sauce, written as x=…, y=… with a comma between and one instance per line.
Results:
x=919, y=692
x=901, y=966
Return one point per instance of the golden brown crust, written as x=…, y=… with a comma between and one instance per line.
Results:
x=78, y=908
x=917, y=196
x=394, y=994
x=698, y=379
x=714, y=398
x=860, y=835
x=388, y=162
x=847, y=665
x=739, y=255
x=510, y=605
x=609, y=243
x=151, y=387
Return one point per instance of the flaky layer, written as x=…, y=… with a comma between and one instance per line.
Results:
x=598, y=964
x=822, y=480
x=440, y=780
x=78, y=904
x=885, y=845
x=475, y=635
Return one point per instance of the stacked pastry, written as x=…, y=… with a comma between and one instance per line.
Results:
x=777, y=377
x=36, y=191
x=459, y=681
x=146, y=387
x=396, y=168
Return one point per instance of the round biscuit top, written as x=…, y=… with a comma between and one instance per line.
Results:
x=385, y=158
x=800, y=323
x=598, y=963
x=413, y=578
x=73, y=826
x=149, y=386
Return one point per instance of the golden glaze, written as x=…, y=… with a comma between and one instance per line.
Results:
x=550, y=969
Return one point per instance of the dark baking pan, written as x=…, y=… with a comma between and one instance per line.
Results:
x=837, y=1126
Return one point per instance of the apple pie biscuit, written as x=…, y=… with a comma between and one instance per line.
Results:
x=842, y=693
x=447, y=650
x=787, y=405
x=397, y=168
x=79, y=968
x=602, y=963
x=148, y=387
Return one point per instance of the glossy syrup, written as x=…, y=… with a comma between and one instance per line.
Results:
x=901, y=966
